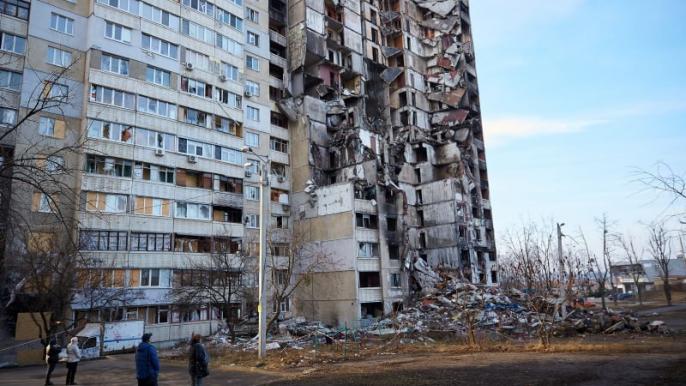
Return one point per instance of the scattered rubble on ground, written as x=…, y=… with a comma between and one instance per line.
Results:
x=455, y=309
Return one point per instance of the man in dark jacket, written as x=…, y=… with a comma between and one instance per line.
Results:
x=147, y=363
x=52, y=356
x=197, y=361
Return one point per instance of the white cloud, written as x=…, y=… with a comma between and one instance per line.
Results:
x=498, y=131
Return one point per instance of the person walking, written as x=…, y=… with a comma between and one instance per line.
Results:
x=147, y=362
x=198, y=361
x=52, y=356
x=73, y=358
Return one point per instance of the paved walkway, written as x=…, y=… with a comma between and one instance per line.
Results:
x=120, y=370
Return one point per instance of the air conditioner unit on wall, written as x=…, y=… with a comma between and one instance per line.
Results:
x=222, y=78
x=248, y=93
x=159, y=152
x=189, y=66
x=192, y=159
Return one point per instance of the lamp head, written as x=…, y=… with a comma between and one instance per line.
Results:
x=248, y=165
x=246, y=149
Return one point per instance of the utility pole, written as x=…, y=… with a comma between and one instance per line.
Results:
x=262, y=306
x=563, y=294
x=265, y=193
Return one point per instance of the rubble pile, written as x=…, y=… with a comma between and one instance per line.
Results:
x=455, y=308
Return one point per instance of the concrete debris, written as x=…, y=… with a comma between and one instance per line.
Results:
x=389, y=74
x=443, y=8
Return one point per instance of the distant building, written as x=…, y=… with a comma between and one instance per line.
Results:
x=649, y=274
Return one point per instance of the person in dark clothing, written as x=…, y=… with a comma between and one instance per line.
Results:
x=198, y=361
x=52, y=356
x=147, y=363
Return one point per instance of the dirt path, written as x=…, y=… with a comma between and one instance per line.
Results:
x=507, y=369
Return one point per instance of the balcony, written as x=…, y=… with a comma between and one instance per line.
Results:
x=278, y=60
x=368, y=295
x=277, y=15
x=277, y=38
x=365, y=206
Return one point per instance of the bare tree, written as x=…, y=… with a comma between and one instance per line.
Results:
x=221, y=281
x=665, y=180
x=292, y=268
x=659, y=246
x=634, y=259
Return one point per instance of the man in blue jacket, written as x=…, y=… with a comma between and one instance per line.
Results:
x=147, y=363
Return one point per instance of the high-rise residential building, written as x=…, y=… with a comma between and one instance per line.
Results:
x=367, y=112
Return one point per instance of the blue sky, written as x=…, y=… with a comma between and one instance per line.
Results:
x=574, y=94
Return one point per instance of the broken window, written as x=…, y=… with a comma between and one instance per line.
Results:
x=364, y=220
x=494, y=277
x=278, y=170
x=227, y=214
x=391, y=224
x=365, y=193
x=393, y=252
x=280, y=222
x=280, y=249
x=395, y=279
x=420, y=218
x=108, y=166
x=95, y=240
x=420, y=199
x=279, y=145
x=193, y=179
x=422, y=240
x=278, y=119
x=370, y=279
x=368, y=250
x=371, y=310
x=192, y=244
x=228, y=184
x=420, y=154
x=226, y=245
x=418, y=175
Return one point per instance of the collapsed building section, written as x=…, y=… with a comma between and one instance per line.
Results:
x=388, y=162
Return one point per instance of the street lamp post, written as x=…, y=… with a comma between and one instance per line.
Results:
x=264, y=212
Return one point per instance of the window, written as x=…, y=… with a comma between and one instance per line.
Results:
x=252, y=139
x=233, y=100
x=150, y=206
x=228, y=184
x=229, y=45
x=254, y=166
x=106, y=202
x=41, y=203
x=278, y=144
x=227, y=214
x=395, y=280
x=114, y=64
x=154, y=139
x=46, y=126
x=284, y=306
x=253, y=39
x=200, y=6
x=111, y=131
x=159, y=16
x=55, y=91
x=278, y=169
x=364, y=220
x=162, y=314
x=368, y=250
x=252, y=63
x=109, y=166
x=228, y=126
x=196, y=87
x=12, y=43
x=59, y=57
x=229, y=19
x=197, y=31
x=130, y=6
x=393, y=252
x=157, y=76
x=15, y=8
x=193, y=179
x=54, y=164
x=7, y=116
x=155, y=173
x=157, y=107
x=194, y=117
x=111, y=96
x=280, y=222
x=159, y=46
x=230, y=71
x=252, y=193
x=198, y=60
x=279, y=120
x=253, y=113
x=95, y=240
x=160, y=242
x=10, y=80
x=252, y=15
x=192, y=211
x=252, y=221
x=253, y=88
x=61, y=23
x=117, y=32
x=369, y=279
x=229, y=155
x=187, y=146
x=151, y=277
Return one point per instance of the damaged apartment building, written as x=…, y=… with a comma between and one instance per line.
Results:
x=367, y=111
x=387, y=154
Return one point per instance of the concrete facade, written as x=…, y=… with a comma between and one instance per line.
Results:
x=367, y=110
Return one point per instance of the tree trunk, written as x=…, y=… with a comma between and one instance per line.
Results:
x=229, y=323
x=668, y=292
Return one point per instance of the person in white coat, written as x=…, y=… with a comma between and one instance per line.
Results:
x=73, y=358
